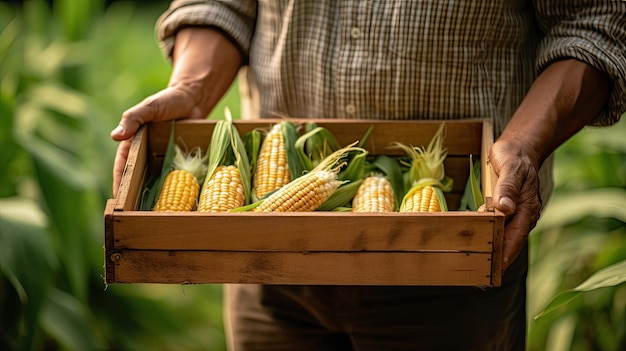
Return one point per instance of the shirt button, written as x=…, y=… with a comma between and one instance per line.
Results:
x=350, y=109
x=355, y=33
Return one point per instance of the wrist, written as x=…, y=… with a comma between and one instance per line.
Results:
x=565, y=97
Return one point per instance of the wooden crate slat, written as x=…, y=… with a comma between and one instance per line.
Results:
x=463, y=231
x=324, y=268
x=134, y=173
x=462, y=136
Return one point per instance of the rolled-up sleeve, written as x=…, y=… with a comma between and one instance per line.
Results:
x=236, y=19
x=591, y=31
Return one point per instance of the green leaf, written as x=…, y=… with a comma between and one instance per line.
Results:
x=252, y=141
x=341, y=197
x=472, y=197
x=566, y=208
x=241, y=157
x=607, y=277
x=355, y=168
x=315, y=145
x=27, y=260
x=290, y=137
x=65, y=319
x=152, y=194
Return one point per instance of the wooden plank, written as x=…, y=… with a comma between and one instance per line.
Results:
x=134, y=173
x=371, y=268
x=488, y=176
x=109, y=241
x=312, y=231
x=109, y=229
x=498, y=245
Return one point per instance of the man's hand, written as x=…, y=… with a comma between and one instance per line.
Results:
x=168, y=104
x=516, y=194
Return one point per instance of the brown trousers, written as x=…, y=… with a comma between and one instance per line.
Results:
x=367, y=318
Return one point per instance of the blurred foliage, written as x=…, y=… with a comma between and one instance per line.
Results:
x=582, y=237
x=68, y=69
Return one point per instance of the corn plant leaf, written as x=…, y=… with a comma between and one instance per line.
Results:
x=567, y=208
x=66, y=320
x=27, y=261
x=610, y=276
x=151, y=194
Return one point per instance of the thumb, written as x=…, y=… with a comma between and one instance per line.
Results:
x=506, y=192
x=509, y=169
x=505, y=204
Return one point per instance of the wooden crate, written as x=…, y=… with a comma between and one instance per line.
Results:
x=459, y=248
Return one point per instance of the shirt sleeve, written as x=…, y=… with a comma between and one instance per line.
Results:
x=236, y=19
x=591, y=31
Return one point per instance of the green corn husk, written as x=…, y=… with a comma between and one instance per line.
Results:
x=153, y=188
x=227, y=147
x=252, y=141
x=315, y=145
x=352, y=176
x=472, y=197
x=290, y=138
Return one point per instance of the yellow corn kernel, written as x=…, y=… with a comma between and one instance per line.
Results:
x=305, y=193
x=421, y=199
x=223, y=192
x=179, y=192
x=272, y=170
x=375, y=194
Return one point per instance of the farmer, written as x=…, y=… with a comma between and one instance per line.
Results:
x=541, y=70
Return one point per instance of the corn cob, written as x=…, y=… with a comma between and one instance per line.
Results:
x=423, y=199
x=223, y=192
x=427, y=176
x=181, y=186
x=272, y=170
x=227, y=183
x=308, y=192
x=375, y=194
x=305, y=193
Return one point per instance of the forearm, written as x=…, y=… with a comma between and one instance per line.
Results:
x=205, y=63
x=565, y=97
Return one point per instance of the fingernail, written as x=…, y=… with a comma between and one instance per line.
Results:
x=118, y=130
x=507, y=202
